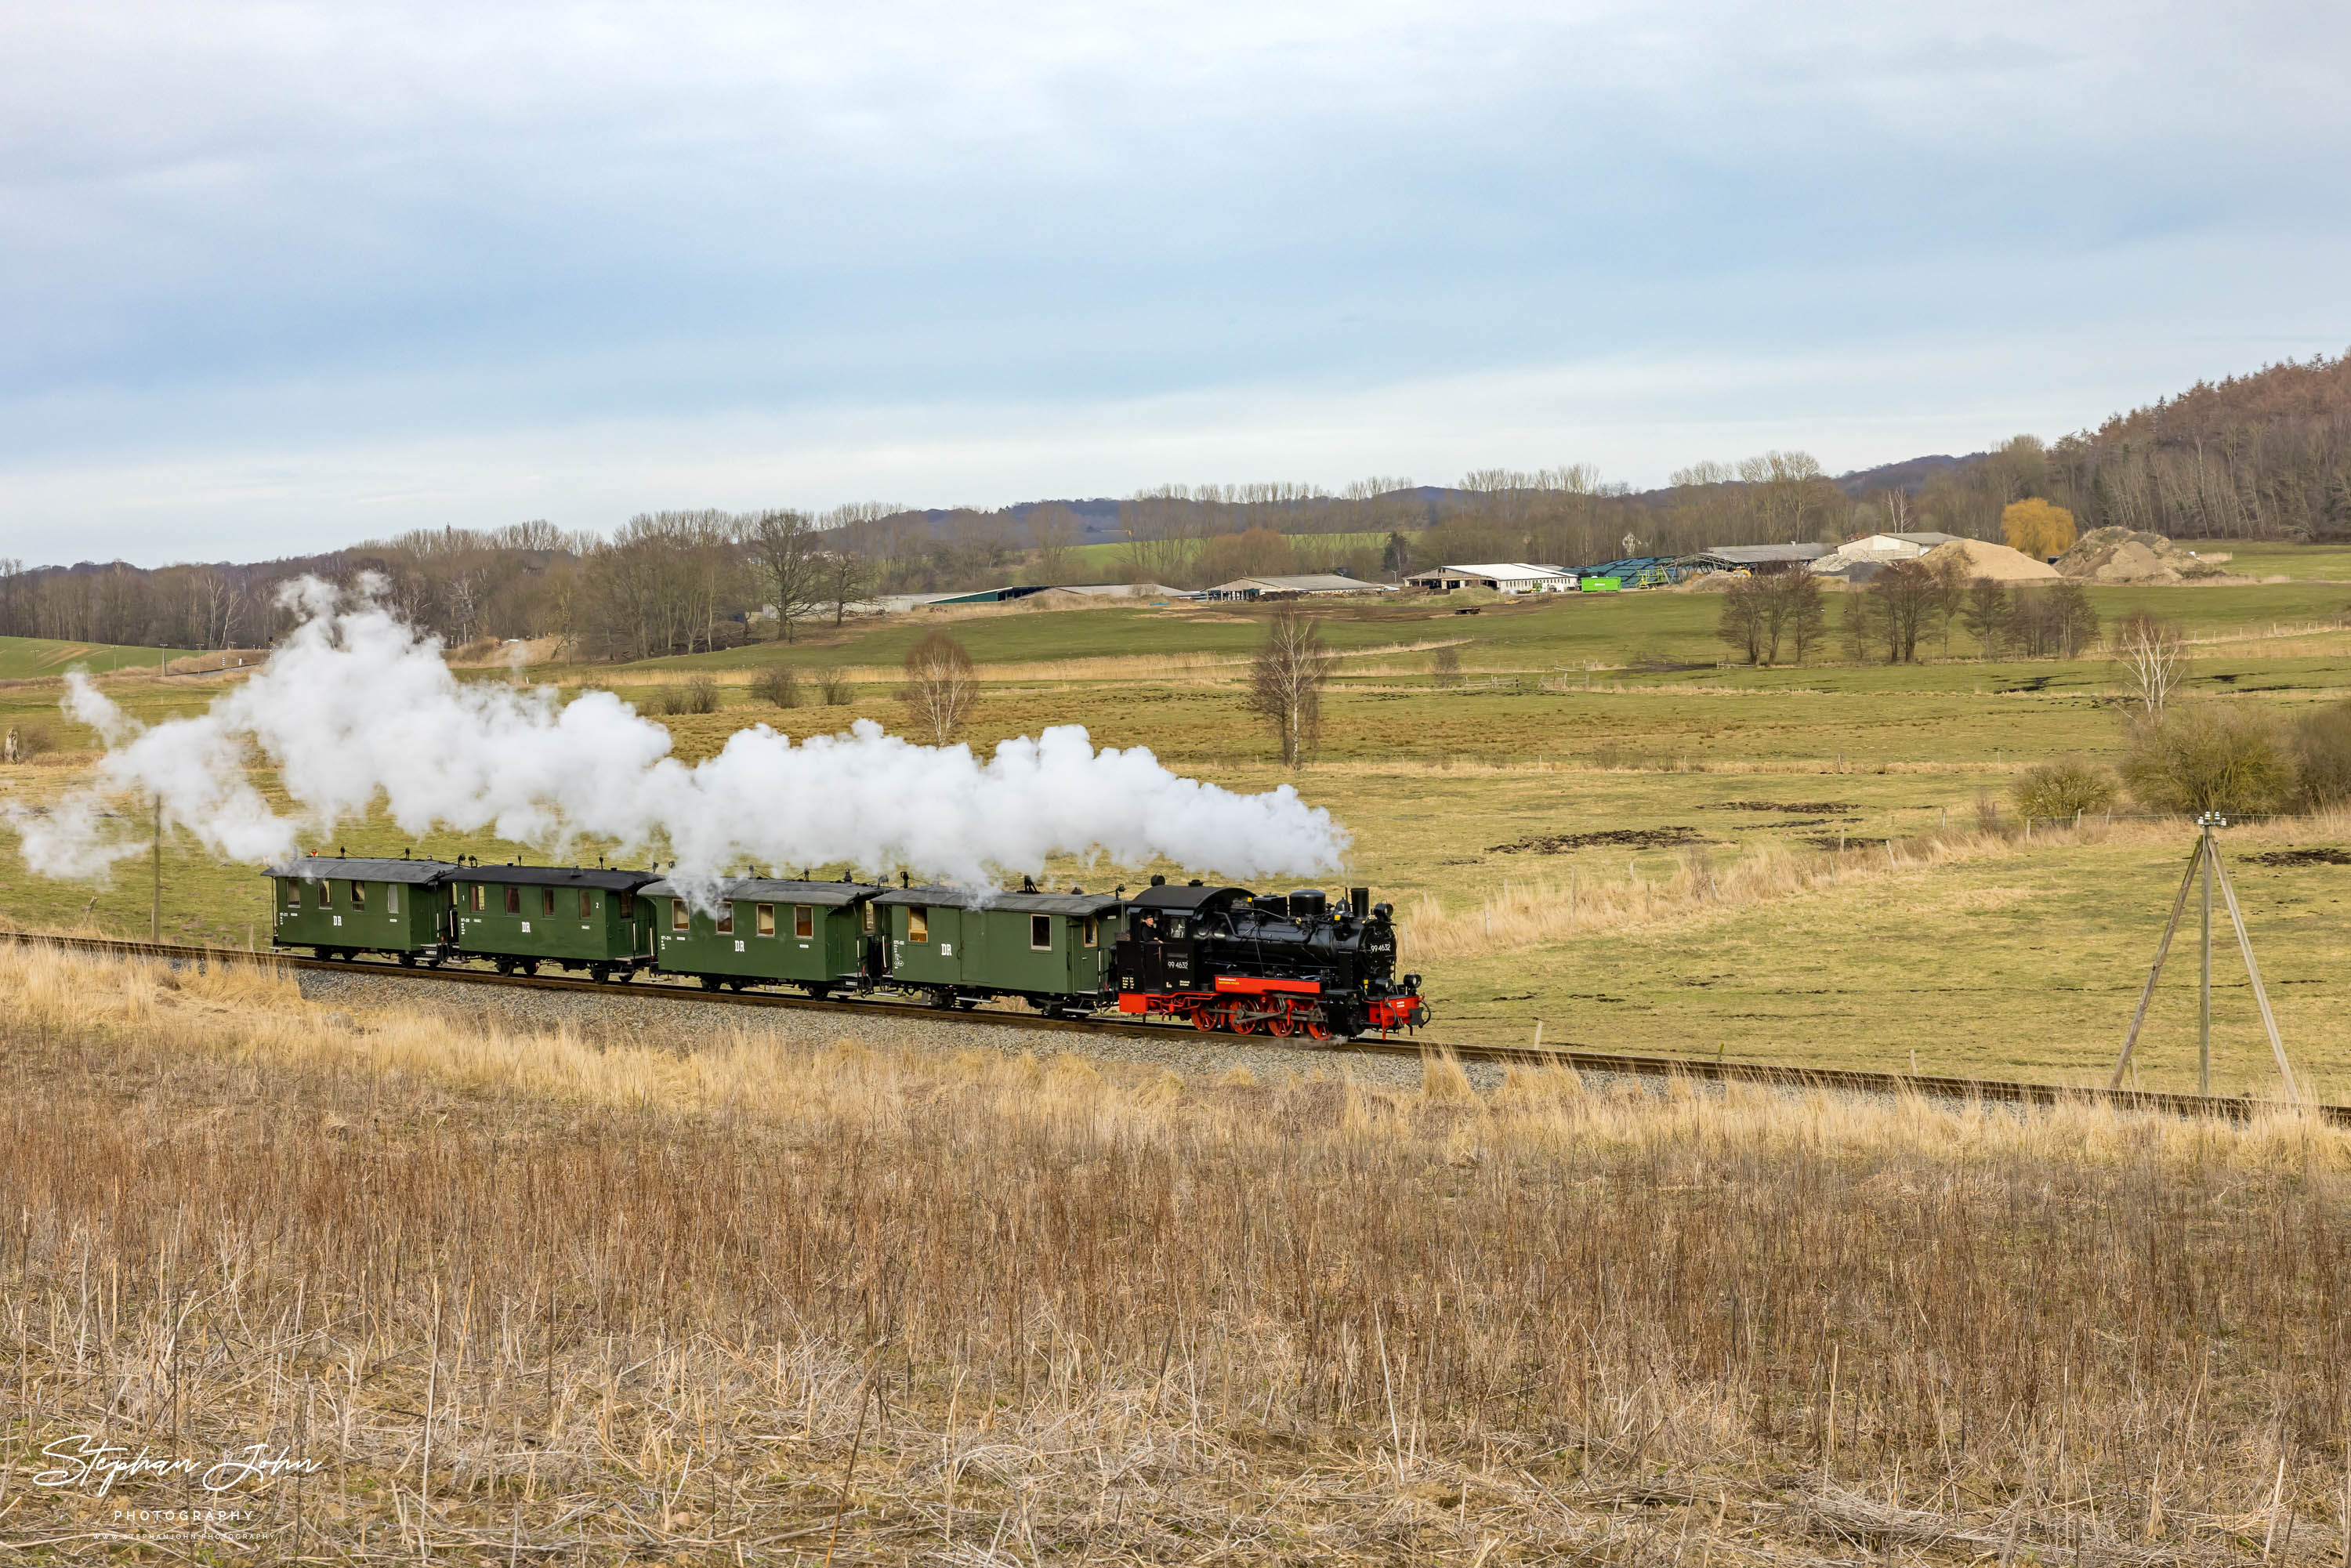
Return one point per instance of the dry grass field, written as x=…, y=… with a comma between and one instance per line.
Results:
x=517, y=1298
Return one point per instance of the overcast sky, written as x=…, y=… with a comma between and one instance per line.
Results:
x=277, y=276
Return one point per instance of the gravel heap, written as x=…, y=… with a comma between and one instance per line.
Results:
x=1981, y=557
x=2124, y=554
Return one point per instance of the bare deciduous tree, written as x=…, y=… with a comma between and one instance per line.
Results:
x=2153, y=657
x=1286, y=681
x=848, y=578
x=941, y=686
x=782, y=549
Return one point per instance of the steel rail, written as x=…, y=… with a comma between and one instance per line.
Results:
x=1835, y=1079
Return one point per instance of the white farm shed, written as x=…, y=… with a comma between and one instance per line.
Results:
x=1502, y=577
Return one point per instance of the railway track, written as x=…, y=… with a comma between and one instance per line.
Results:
x=1839, y=1080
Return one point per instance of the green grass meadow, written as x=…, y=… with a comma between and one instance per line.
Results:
x=2023, y=959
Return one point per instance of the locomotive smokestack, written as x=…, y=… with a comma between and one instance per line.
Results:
x=1359, y=899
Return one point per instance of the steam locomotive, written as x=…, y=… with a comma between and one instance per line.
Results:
x=1218, y=957
x=1264, y=963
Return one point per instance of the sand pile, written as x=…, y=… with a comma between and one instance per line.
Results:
x=2122, y=555
x=1983, y=558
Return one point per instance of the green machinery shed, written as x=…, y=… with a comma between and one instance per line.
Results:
x=580, y=917
x=331, y=903
x=765, y=930
x=1051, y=948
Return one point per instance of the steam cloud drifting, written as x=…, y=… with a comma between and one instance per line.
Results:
x=357, y=705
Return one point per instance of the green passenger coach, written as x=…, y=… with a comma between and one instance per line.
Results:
x=962, y=947
x=342, y=907
x=575, y=917
x=766, y=931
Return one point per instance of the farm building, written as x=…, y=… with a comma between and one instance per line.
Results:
x=1315, y=585
x=1502, y=577
x=1763, y=560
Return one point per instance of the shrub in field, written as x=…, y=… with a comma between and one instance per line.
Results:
x=778, y=685
x=2066, y=787
x=28, y=740
x=2322, y=757
x=833, y=685
x=699, y=694
x=1987, y=812
x=1445, y=669
x=2208, y=757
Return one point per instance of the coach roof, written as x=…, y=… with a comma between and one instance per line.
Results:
x=1010, y=903
x=612, y=877
x=732, y=889
x=413, y=874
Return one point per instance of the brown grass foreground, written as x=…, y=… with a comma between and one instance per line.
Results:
x=532, y=1299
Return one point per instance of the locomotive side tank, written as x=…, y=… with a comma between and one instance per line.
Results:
x=1275, y=964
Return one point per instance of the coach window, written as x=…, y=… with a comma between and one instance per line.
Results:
x=513, y=899
x=867, y=915
x=587, y=904
x=727, y=920
x=1094, y=931
x=480, y=892
x=628, y=905
x=359, y=895
x=803, y=920
x=918, y=924
x=680, y=918
x=293, y=894
x=391, y=898
x=764, y=914
x=326, y=893
x=546, y=902
x=1040, y=932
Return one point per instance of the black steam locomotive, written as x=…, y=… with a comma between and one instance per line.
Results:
x=1274, y=963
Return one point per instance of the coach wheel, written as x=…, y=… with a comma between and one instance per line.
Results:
x=529, y=965
x=408, y=960
x=600, y=973
x=502, y=966
x=819, y=990
x=1204, y=1017
x=709, y=982
x=738, y=985
x=940, y=997
x=628, y=972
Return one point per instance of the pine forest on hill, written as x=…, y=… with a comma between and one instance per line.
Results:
x=2259, y=457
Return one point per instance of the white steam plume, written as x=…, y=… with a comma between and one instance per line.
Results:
x=355, y=707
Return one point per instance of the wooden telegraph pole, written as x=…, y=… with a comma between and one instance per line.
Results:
x=155, y=908
x=2205, y=862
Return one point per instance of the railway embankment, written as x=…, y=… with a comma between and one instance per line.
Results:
x=645, y=1015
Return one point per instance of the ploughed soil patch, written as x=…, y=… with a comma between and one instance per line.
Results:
x=2329, y=856
x=1794, y=807
x=1611, y=838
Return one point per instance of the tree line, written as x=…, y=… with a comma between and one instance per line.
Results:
x=1909, y=605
